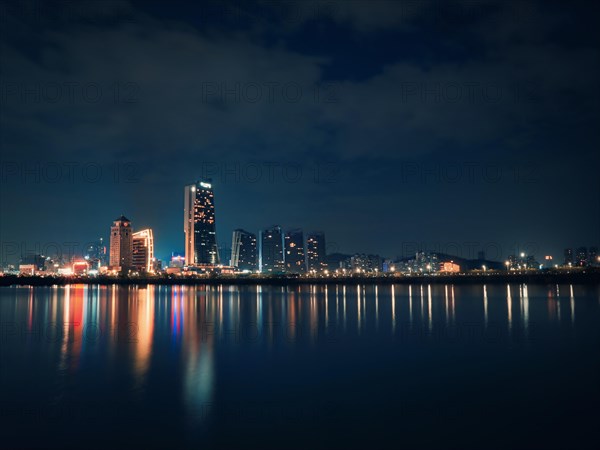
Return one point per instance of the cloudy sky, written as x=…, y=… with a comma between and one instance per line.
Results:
x=389, y=125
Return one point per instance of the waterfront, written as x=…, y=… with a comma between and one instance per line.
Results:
x=320, y=366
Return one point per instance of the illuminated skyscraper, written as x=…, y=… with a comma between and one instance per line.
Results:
x=569, y=256
x=582, y=256
x=121, y=244
x=243, y=250
x=95, y=253
x=199, y=225
x=143, y=250
x=294, y=251
x=315, y=251
x=271, y=251
x=224, y=254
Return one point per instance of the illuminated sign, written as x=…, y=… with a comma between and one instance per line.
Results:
x=205, y=185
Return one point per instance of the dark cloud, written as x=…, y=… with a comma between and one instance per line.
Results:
x=292, y=134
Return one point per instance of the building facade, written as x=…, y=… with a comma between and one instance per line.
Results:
x=315, y=252
x=271, y=250
x=199, y=225
x=582, y=256
x=295, y=261
x=244, y=255
x=95, y=253
x=361, y=262
x=593, y=256
x=569, y=259
x=143, y=251
x=121, y=241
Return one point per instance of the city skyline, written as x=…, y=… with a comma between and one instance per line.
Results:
x=200, y=212
x=275, y=251
x=480, y=137
x=469, y=249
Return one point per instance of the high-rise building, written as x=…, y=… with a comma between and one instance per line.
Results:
x=243, y=250
x=373, y=263
x=225, y=254
x=199, y=225
x=582, y=256
x=295, y=261
x=271, y=250
x=593, y=256
x=569, y=256
x=315, y=251
x=143, y=251
x=157, y=266
x=38, y=261
x=121, y=240
x=95, y=254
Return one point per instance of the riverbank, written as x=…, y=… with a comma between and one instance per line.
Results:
x=587, y=276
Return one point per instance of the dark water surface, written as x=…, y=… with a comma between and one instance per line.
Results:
x=417, y=366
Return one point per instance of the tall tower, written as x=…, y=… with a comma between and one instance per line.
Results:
x=582, y=256
x=569, y=259
x=143, y=250
x=271, y=250
x=121, y=240
x=243, y=250
x=294, y=251
x=199, y=225
x=315, y=251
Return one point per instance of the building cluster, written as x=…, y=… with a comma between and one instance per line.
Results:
x=363, y=263
x=522, y=261
x=93, y=258
x=130, y=251
x=421, y=263
x=276, y=251
x=271, y=251
x=581, y=257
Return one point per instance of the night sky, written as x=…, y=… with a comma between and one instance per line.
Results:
x=390, y=126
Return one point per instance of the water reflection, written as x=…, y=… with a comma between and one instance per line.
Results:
x=429, y=310
x=572, y=303
x=393, y=308
x=524, y=304
x=135, y=314
x=485, y=305
x=509, y=306
x=140, y=330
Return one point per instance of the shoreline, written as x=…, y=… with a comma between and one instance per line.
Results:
x=588, y=276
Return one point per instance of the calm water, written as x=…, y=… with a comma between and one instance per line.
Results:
x=300, y=367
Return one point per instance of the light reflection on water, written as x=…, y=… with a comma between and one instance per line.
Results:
x=184, y=311
x=194, y=316
x=197, y=333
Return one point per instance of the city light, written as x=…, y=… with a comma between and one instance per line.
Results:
x=278, y=253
